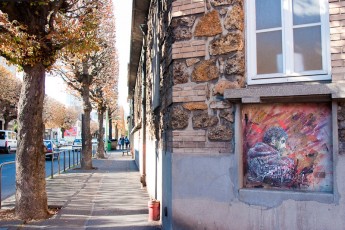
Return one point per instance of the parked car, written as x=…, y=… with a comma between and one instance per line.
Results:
x=8, y=140
x=77, y=143
x=62, y=142
x=50, y=146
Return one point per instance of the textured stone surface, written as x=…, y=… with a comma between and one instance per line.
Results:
x=235, y=18
x=192, y=61
x=226, y=44
x=179, y=118
x=182, y=27
x=180, y=73
x=221, y=2
x=235, y=64
x=220, y=133
x=227, y=114
x=203, y=120
x=223, y=11
x=220, y=105
x=195, y=106
x=209, y=25
x=341, y=121
x=224, y=84
x=183, y=21
x=182, y=33
x=205, y=71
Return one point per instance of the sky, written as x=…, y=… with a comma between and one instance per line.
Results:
x=55, y=86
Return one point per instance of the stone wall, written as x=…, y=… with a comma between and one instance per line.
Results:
x=208, y=57
x=337, y=37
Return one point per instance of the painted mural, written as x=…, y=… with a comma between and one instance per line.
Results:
x=288, y=146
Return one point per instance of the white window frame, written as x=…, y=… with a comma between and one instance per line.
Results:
x=287, y=35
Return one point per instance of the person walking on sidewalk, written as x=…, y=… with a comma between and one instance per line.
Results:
x=119, y=143
x=126, y=142
x=123, y=142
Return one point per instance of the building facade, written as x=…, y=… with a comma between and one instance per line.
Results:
x=238, y=112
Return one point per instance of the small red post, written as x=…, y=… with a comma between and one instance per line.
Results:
x=154, y=210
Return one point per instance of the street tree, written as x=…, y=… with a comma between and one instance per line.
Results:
x=93, y=128
x=9, y=95
x=54, y=113
x=103, y=91
x=92, y=76
x=33, y=34
x=57, y=115
x=71, y=117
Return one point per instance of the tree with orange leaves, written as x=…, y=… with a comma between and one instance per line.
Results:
x=103, y=91
x=33, y=34
x=94, y=76
x=9, y=95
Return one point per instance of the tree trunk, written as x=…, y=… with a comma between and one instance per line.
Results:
x=86, y=158
x=110, y=128
x=31, y=196
x=62, y=132
x=100, y=147
x=6, y=124
x=116, y=132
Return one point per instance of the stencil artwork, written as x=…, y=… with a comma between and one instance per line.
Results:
x=288, y=146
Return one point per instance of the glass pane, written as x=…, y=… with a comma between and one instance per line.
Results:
x=269, y=52
x=307, y=49
x=306, y=11
x=268, y=14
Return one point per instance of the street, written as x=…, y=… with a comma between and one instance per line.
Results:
x=8, y=171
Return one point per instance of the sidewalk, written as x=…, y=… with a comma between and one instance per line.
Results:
x=110, y=197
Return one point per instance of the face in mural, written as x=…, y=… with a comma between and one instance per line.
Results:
x=288, y=146
x=276, y=137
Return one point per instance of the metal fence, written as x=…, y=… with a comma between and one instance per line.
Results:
x=74, y=158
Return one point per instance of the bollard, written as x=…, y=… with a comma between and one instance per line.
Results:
x=154, y=210
x=52, y=168
x=69, y=159
x=59, y=162
x=64, y=161
x=73, y=158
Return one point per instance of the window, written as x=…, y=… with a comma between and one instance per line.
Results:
x=287, y=41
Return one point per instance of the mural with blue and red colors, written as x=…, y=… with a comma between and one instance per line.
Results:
x=288, y=146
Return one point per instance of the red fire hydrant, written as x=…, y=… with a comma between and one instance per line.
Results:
x=154, y=210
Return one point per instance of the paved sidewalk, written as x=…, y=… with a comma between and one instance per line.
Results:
x=110, y=197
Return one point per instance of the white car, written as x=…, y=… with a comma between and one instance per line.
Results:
x=77, y=143
x=62, y=142
x=8, y=141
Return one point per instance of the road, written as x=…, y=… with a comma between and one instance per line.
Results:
x=8, y=171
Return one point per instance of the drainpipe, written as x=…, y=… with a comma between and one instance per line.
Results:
x=143, y=28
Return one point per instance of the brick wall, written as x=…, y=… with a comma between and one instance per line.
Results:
x=188, y=49
x=337, y=37
x=187, y=7
x=189, y=93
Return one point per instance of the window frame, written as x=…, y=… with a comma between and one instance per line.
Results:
x=287, y=35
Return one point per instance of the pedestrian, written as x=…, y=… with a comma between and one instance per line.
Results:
x=119, y=143
x=123, y=142
x=126, y=142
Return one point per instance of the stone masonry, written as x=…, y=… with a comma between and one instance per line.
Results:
x=337, y=37
x=208, y=57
